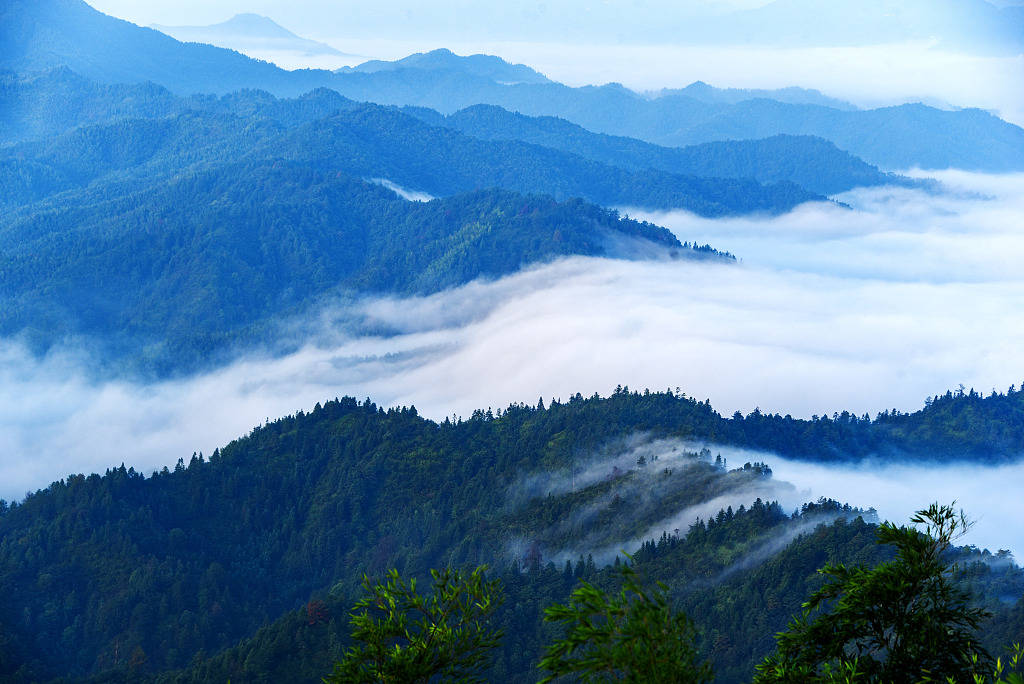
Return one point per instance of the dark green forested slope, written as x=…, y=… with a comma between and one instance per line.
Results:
x=192, y=265
x=810, y=162
x=737, y=611
x=194, y=559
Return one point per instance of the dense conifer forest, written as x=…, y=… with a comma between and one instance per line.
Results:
x=147, y=573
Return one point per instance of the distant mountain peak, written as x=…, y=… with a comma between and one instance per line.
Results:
x=252, y=25
x=442, y=59
x=705, y=92
x=248, y=31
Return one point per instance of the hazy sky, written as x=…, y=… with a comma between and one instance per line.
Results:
x=349, y=17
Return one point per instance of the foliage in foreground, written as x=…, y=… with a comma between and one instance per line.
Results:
x=633, y=636
x=410, y=638
x=902, y=621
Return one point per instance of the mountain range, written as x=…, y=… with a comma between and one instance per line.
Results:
x=44, y=34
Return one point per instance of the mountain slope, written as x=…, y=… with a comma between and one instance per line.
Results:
x=373, y=141
x=704, y=92
x=810, y=162
x=166, y=275
x=197, y=557
x=370, y=141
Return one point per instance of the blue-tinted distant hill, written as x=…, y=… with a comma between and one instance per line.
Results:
x=374, y=141
x=704, y=92
x=370, y=141
x=37, y=35
x=483, y=66
x=892, y=137
x=52, y=103
x=170, y=241
x=811, y=162
x=244, y=32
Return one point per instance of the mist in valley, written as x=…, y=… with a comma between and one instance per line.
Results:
x=901, y=297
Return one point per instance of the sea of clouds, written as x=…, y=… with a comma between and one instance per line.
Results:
x=905, y=295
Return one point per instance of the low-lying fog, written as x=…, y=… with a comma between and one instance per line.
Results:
x=895, y=491
x=989, y=495
x=905, y=296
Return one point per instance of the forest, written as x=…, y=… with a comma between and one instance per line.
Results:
x=208, y=570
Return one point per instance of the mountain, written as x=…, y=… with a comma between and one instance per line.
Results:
x=371, y=141
x=167, y=275
x=134, y=232
x=26, y=113
x=482, y=66
x=374, y=141
x=29, y=108
x=891, y=138
x=704, y=92
x=124, y=576
x=808, y=161
x=250, y=32
x=43, y=34
x=39, y=35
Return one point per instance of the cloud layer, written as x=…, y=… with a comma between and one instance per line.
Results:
x=905, y=296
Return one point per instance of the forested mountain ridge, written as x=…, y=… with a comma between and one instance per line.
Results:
x=104, y=569
x=369, y=141
x=170, y=276
x=808, y=161
x=374, y=141
x=44, y=34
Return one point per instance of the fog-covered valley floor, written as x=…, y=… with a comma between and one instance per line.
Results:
x=903, y=296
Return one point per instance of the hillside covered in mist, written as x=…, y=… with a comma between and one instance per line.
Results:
x=130, y=573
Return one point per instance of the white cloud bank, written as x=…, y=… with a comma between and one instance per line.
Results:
x=906, y=296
